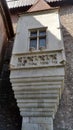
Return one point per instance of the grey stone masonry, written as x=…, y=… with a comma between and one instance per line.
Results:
x=37, y=76
x=64, y=115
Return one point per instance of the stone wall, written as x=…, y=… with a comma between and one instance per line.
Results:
x=64, y=115
x=14, y=19
x=3, y=40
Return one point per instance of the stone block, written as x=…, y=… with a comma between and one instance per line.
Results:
x=40, y=120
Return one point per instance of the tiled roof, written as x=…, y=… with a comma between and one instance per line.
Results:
x=21, y=3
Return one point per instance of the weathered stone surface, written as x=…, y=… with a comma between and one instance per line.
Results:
x=36, y=123
x=64, y=116
x=43, y=70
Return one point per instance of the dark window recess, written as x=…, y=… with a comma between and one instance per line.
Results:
x=42, y=42
x=42, y=39
x=33, y=43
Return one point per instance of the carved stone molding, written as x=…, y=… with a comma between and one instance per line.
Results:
x=38, y=60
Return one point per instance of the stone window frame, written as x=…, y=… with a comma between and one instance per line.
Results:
x=37, y=37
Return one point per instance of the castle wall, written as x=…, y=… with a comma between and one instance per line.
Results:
x=64, y=115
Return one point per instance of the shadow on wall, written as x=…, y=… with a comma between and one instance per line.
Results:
x=9, y=113
x=53, y=34
x=64, y=115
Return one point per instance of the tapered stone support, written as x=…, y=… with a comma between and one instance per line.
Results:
x=37, y=123
x=38, y=97
x=38, y=91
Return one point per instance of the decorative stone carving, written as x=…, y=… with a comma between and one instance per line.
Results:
x=37, y=60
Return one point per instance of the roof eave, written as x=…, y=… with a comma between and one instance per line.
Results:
x=41, y=11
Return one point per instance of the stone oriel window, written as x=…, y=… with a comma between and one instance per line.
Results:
x=37, y=39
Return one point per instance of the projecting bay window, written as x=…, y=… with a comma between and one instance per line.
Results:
x=37, y=39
